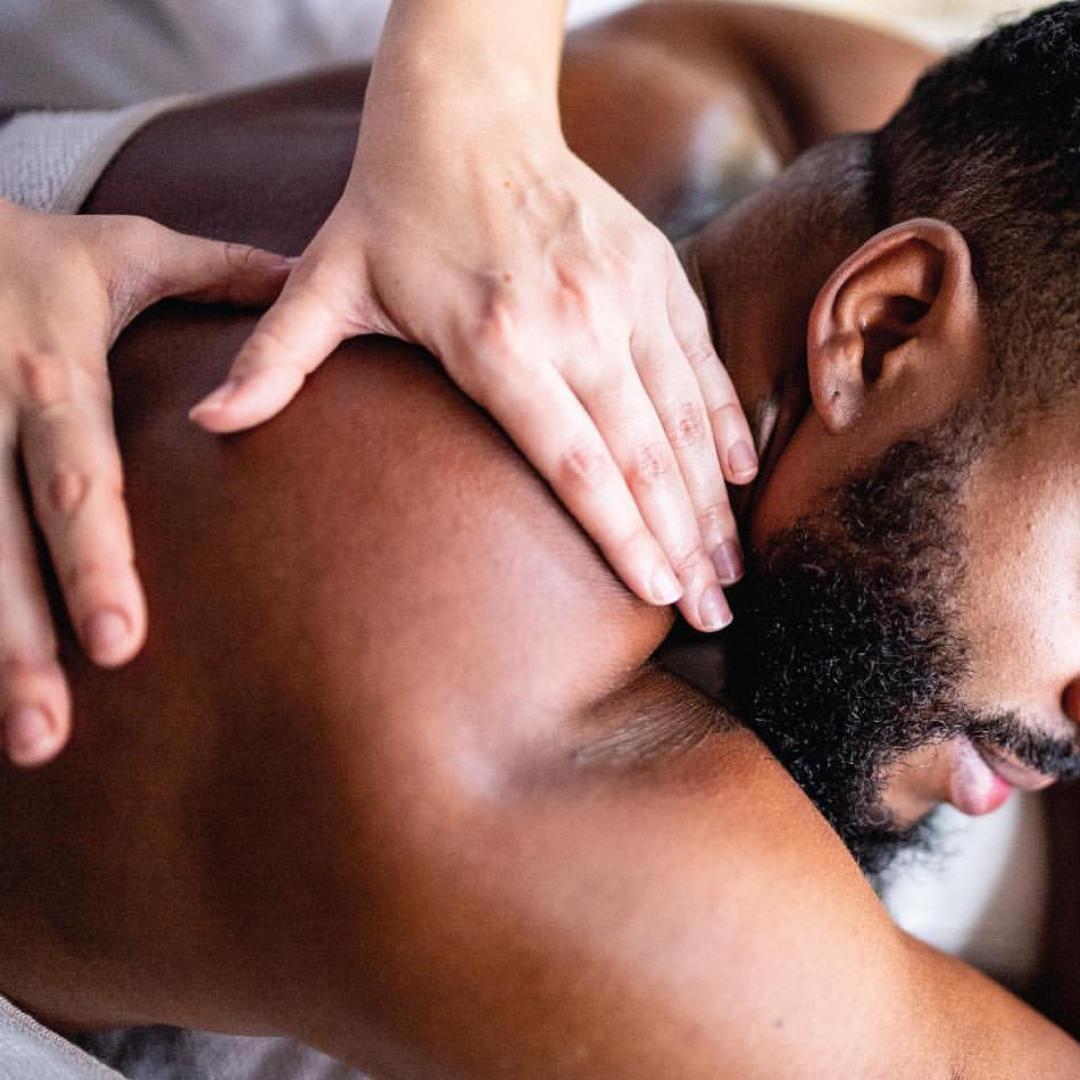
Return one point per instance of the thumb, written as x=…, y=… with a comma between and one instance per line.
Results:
x=215, y=271
x=288, y=343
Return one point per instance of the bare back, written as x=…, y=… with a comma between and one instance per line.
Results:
x=393, y=773
x=376, y=555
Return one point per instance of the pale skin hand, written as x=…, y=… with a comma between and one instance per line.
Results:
x=72, y=284
x=468, y=226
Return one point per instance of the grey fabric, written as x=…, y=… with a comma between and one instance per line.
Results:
x=51, y=160
x=93, y=54
x=65, y=54
x=29, y=1051
x=168, y=1053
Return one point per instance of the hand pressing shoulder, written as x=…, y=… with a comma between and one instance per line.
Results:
x=71, y=284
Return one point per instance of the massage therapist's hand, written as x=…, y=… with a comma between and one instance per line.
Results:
x=68, y=286
x=468, y=226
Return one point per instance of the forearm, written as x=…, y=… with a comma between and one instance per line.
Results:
x=439, y=52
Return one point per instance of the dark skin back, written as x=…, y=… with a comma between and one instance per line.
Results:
x=394, y=774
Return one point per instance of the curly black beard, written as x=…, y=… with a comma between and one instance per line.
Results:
x=845, y=653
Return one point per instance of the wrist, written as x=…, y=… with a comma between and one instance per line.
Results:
x=463, y=61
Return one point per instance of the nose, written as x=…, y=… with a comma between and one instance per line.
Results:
x=1070, y=701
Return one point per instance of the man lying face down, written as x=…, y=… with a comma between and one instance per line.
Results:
x=398, y=774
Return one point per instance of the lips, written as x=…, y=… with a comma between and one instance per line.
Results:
x=1012, y=772
x=982, y=778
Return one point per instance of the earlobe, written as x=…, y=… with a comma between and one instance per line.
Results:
x=888, y=320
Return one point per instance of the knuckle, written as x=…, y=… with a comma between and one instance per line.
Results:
x=26, y=660
x=138, y=234
x=646, y=255
x=490, y=356
x=685, y=427
x=650, y=467
x=43, y=378
x=639, y=245
x=266, y=349
x=637, y=544
x=67, y=490
x=584, y=468
x=726, y=411
x=83, y=571
x=597, y=380
x=241, y=257
x=495, y=335
x=715, y=520
x=244, y=260
x=579, y=289
x=699, y=350
x=685, y=561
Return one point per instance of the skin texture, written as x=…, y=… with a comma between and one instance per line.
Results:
x=343, y=754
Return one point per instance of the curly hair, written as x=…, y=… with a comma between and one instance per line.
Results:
x=990, y=140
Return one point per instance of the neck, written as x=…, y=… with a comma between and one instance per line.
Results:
x=759, y=269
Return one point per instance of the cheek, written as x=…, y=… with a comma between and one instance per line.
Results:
x=1020, y=604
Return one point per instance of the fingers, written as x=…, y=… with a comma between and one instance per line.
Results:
x=287, y=344
x=551, y=427
x=74, y=472
x=81, y=279
x=34, y=700
x=628, y=444
x=143, y=262
x=608, y=459
x=676, y=397
x=731, y=432
x=217, y=272
x=654, y=421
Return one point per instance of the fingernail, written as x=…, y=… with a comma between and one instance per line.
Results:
x=29, y=735
x=218, y=398
x=665, y=586
x=713, y=609
x=742, y=459
x=727, y=559
x=105, y=632
x=272, y=260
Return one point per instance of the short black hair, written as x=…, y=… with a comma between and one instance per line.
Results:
x=989, y=140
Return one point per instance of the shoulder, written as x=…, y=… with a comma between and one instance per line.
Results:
x=809, y=75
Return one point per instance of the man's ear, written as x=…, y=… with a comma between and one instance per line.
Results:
x=896, y=327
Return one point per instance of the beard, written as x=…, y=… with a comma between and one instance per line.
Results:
x=847, y=654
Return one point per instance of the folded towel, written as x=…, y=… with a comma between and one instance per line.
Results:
x=51, y=160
